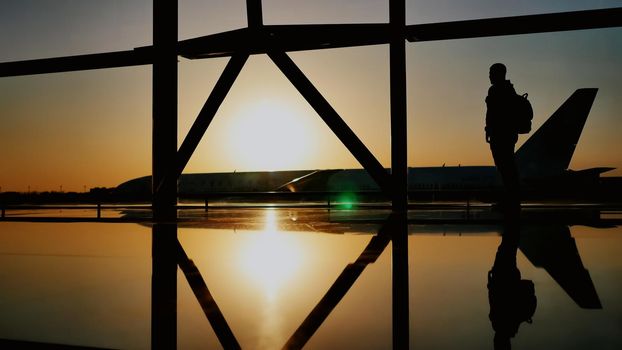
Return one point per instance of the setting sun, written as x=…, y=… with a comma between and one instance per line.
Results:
x=270, y=135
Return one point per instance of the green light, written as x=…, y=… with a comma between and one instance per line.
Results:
x=347, y=200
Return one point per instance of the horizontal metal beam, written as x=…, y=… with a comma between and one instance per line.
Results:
x=284, y=38
x=77, y=63
x=322, y=36
x=33, y=345
x=529, y=24
x=326, y=36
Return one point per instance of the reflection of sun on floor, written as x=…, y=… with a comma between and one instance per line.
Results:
x=271, y=258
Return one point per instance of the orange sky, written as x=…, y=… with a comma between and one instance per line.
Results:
x=88, y=129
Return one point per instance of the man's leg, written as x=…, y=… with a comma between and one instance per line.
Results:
x=503, y=155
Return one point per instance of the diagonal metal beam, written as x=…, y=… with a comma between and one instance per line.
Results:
x=77, y=63
x=332, y=119
x=206, y=300
x=340, y=288
x=529, y=24
x=207, y=113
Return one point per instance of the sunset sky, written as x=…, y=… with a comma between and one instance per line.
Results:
x=93, y=128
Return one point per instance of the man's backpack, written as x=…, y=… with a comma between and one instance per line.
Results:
x=523, y=113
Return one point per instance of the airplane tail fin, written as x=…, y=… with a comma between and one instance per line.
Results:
x=549, y=150
x=552, y=247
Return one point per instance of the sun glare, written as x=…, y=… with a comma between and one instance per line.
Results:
x=270, y=136
x=271, y=258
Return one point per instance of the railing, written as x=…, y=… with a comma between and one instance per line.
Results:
x=420, y=213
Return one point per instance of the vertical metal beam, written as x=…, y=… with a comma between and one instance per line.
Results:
x=164, y=152
x=332, y=119
x=400, y=290
x=399, y=173
x=399, y=157
x=164, y=113
x=254, y=13
x=164, y=286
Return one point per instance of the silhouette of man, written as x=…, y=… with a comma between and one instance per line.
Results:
x=512, y=300
x=501, y=132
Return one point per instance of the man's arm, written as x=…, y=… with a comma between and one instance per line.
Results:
x=488, y=116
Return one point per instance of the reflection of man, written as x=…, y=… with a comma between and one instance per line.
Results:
x=512, y=300
x=501, y=131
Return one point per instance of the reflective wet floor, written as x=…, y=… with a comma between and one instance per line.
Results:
x=318, y=279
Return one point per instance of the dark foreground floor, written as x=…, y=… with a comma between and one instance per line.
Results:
x=269, y=278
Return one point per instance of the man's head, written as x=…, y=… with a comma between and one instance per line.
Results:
x=497, y=73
